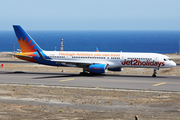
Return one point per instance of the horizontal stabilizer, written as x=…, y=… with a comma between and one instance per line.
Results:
x=23, y=56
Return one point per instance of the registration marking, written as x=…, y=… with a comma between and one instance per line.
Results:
x=67, y=80
x=159, y=84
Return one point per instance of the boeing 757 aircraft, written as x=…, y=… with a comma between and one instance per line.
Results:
x=91, y=62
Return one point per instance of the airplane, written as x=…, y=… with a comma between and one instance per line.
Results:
x=91, y=62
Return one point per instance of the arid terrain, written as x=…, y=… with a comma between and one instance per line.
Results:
x=72, y=103
x=19, y=101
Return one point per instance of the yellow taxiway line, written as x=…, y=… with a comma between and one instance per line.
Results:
x=67, y=80
x=159, y=84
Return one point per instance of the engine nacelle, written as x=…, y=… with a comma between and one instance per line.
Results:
x=98, y=68
x=116, y=69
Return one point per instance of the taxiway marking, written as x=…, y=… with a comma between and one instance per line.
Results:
x=67, y=80
x=159, y=84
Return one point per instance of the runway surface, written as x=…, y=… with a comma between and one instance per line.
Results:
x=164, y=83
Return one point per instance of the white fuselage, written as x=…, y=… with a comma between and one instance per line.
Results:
x=113, y=59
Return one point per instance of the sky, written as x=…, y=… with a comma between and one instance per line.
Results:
x=90, y=14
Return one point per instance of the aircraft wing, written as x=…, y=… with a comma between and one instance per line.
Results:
x=72, y=62
x=82, y=63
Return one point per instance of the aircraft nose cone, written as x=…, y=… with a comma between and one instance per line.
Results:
x=173, y=64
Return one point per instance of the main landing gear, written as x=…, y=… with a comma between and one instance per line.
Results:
x=154, y=74
x=84, y=72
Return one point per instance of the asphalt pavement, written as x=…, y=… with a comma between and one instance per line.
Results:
x=139, y=82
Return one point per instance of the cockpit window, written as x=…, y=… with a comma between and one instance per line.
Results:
x=167, y=59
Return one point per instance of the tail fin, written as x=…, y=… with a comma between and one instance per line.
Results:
x=97, y=49
x=26, y=43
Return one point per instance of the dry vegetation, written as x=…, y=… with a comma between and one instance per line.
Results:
x=52, y=102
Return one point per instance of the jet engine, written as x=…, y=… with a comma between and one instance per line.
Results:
x=98, y=68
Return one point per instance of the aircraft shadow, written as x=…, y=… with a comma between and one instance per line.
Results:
x=63, y=75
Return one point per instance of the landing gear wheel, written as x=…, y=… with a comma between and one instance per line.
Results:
x=83, y=73
x=153, y=75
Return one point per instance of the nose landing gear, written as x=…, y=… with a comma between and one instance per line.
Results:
x=154, y=74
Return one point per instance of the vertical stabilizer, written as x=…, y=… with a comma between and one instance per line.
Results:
x=97, y=49
x=26, y=43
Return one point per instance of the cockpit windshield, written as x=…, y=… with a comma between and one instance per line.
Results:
x=167, y=59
